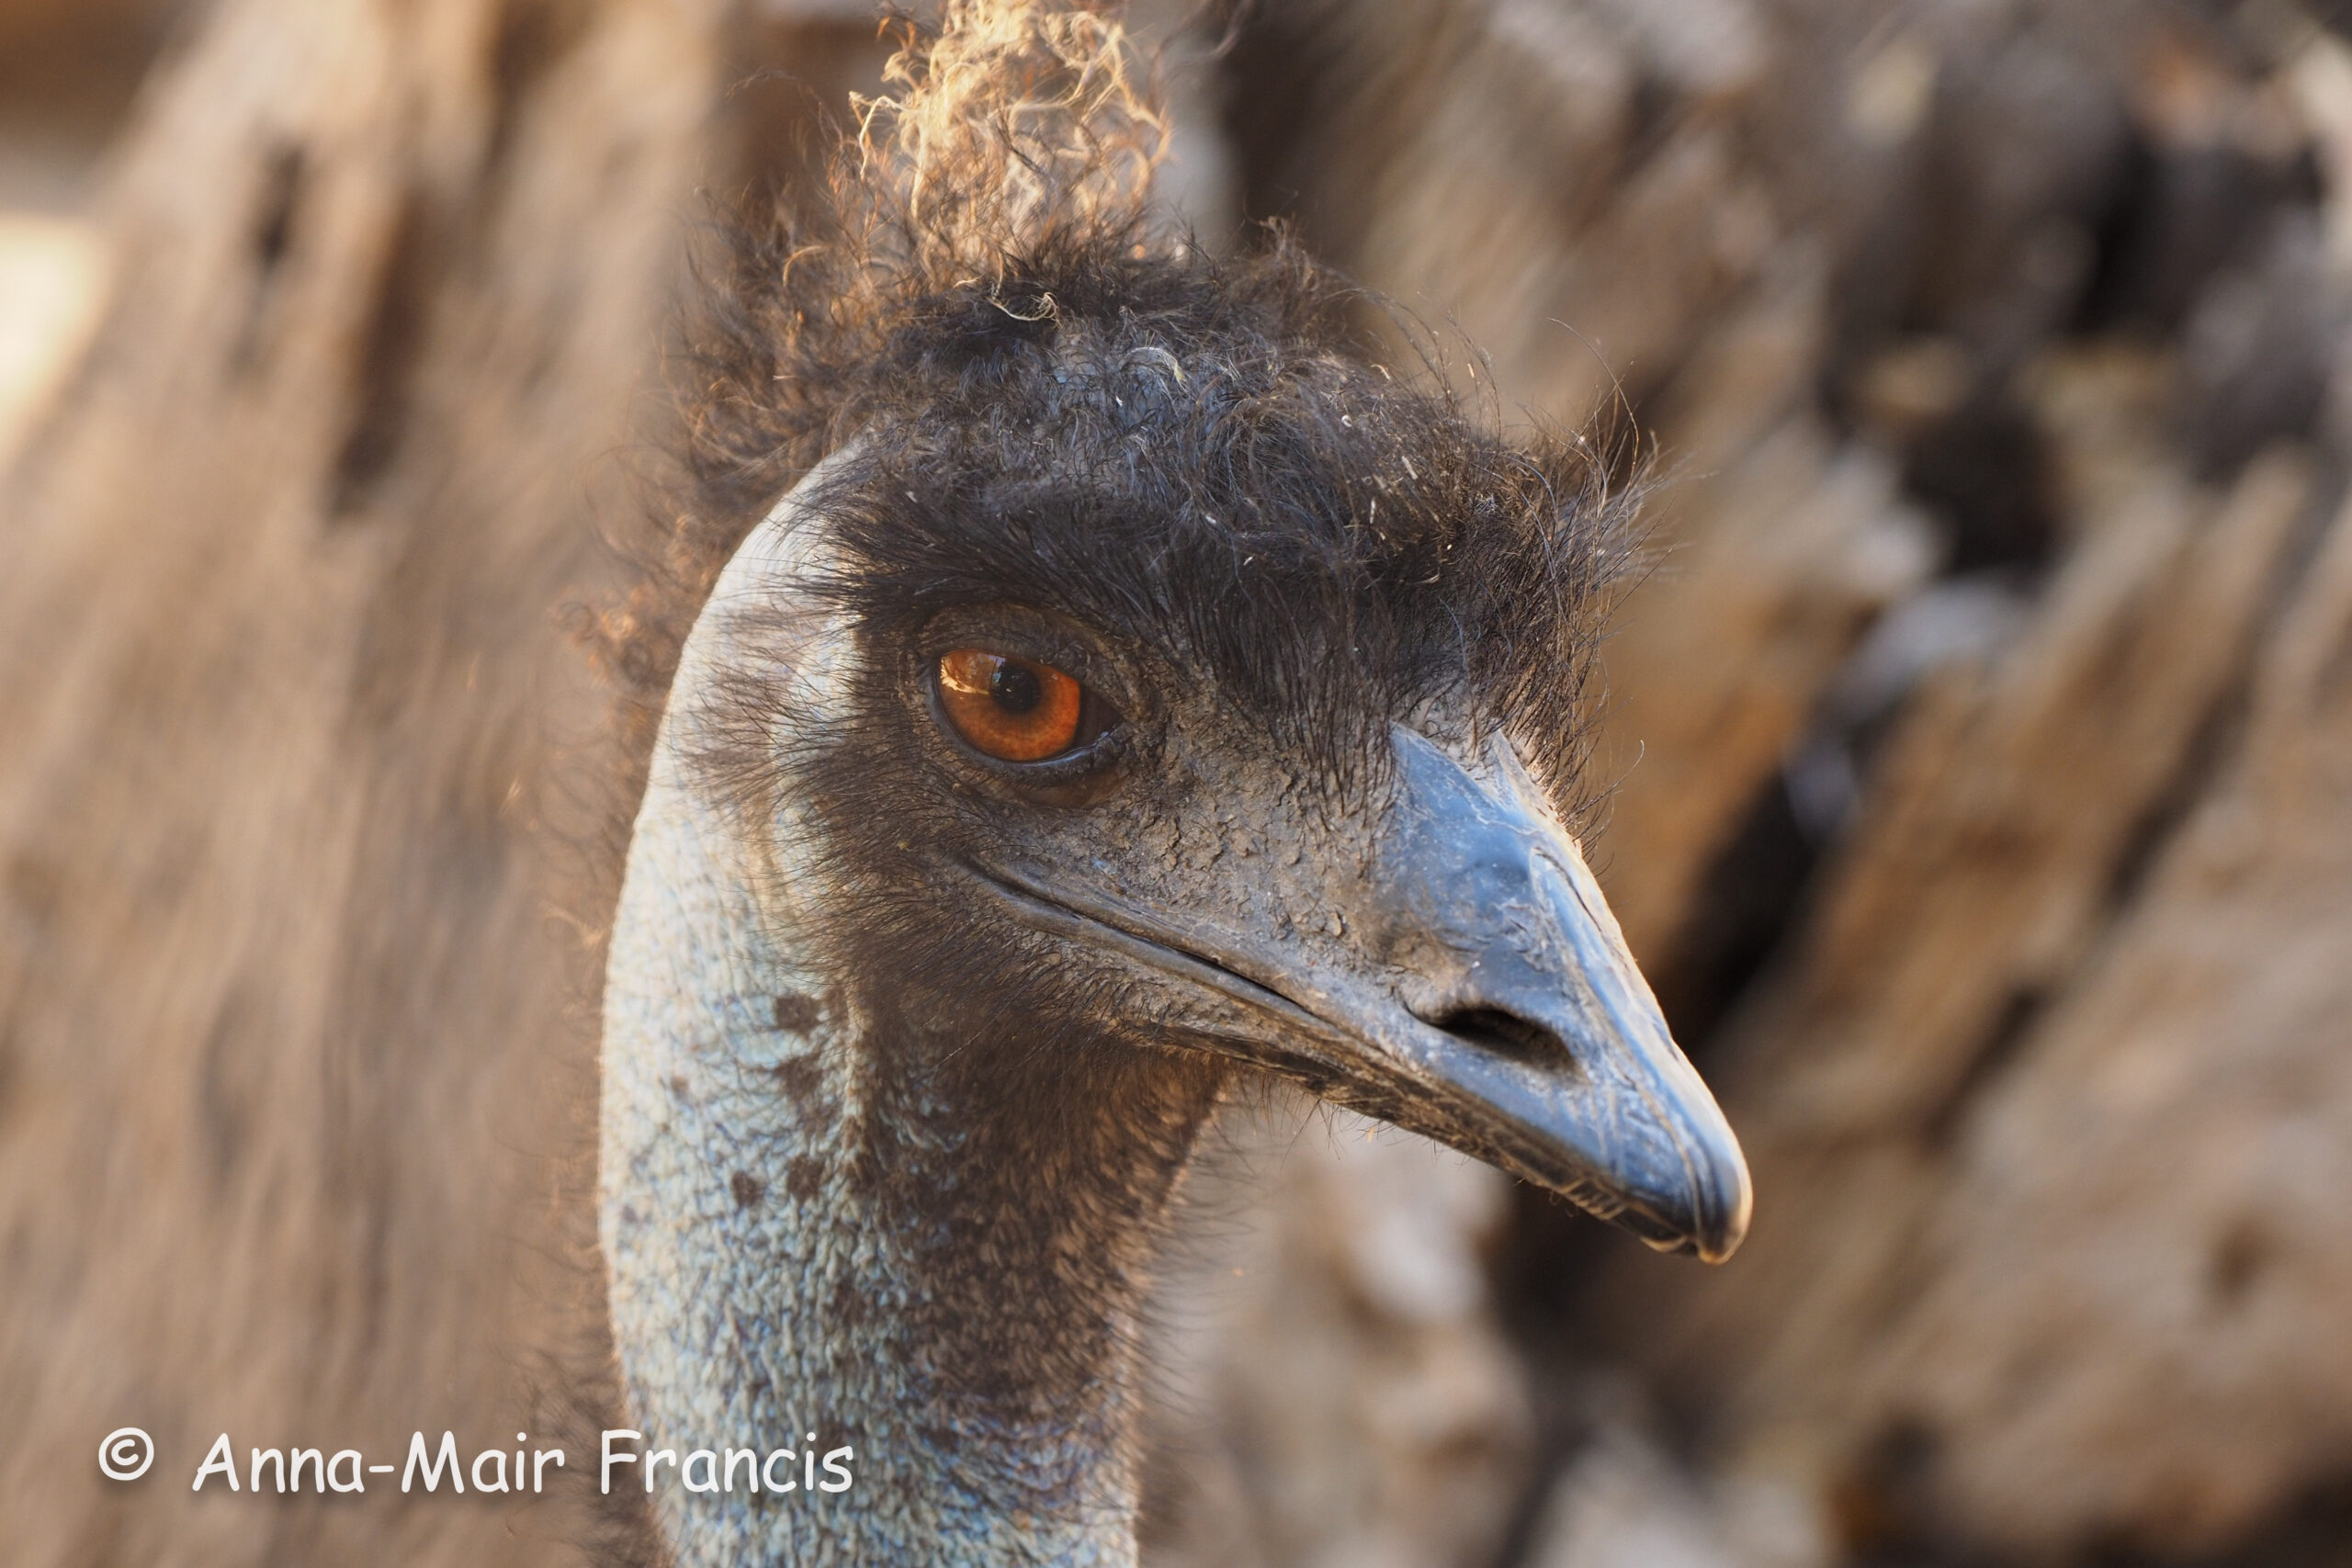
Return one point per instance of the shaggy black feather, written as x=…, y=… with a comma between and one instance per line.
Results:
x=1095, y=417
x=1188, y=454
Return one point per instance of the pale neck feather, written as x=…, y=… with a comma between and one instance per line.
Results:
x=785, y=1223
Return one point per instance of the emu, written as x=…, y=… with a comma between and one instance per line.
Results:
x=1137, y=691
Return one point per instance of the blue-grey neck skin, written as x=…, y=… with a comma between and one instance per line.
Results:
x=800, y=1242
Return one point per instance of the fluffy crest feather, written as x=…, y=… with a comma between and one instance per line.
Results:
x=1015, y=120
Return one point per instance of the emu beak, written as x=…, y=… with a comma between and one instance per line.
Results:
x=1534, y=1041
x=1483, y=997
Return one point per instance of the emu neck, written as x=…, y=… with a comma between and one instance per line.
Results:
x=820, y=1217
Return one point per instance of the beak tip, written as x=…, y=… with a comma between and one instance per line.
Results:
x=1709, y=1242
x=1709, y=1219
x=1718, y=1248
x=1724, y=1209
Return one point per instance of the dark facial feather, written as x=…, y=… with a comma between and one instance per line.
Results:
x=1188, y=456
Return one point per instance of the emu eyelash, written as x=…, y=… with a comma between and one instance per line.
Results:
x=1031, y=637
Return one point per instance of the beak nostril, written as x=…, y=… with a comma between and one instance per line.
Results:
x=1508, y=1035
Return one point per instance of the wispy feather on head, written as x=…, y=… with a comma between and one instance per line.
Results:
x=1056, y=398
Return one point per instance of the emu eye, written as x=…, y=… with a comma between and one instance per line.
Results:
x=1016, y=710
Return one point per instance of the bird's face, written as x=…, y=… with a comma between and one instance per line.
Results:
x=1091, y=778
x=1128, y=855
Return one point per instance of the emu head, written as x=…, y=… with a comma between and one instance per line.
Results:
x=1153, y=675
x=1149, y=675
x=1135, y=687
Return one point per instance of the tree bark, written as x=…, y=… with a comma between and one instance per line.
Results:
x=293, y=1050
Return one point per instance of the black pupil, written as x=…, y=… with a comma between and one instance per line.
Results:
x=1014, y=689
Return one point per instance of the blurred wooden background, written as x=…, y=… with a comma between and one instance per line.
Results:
x=1983, y=741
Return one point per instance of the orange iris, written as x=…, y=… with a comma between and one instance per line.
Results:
x=1013, y=709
